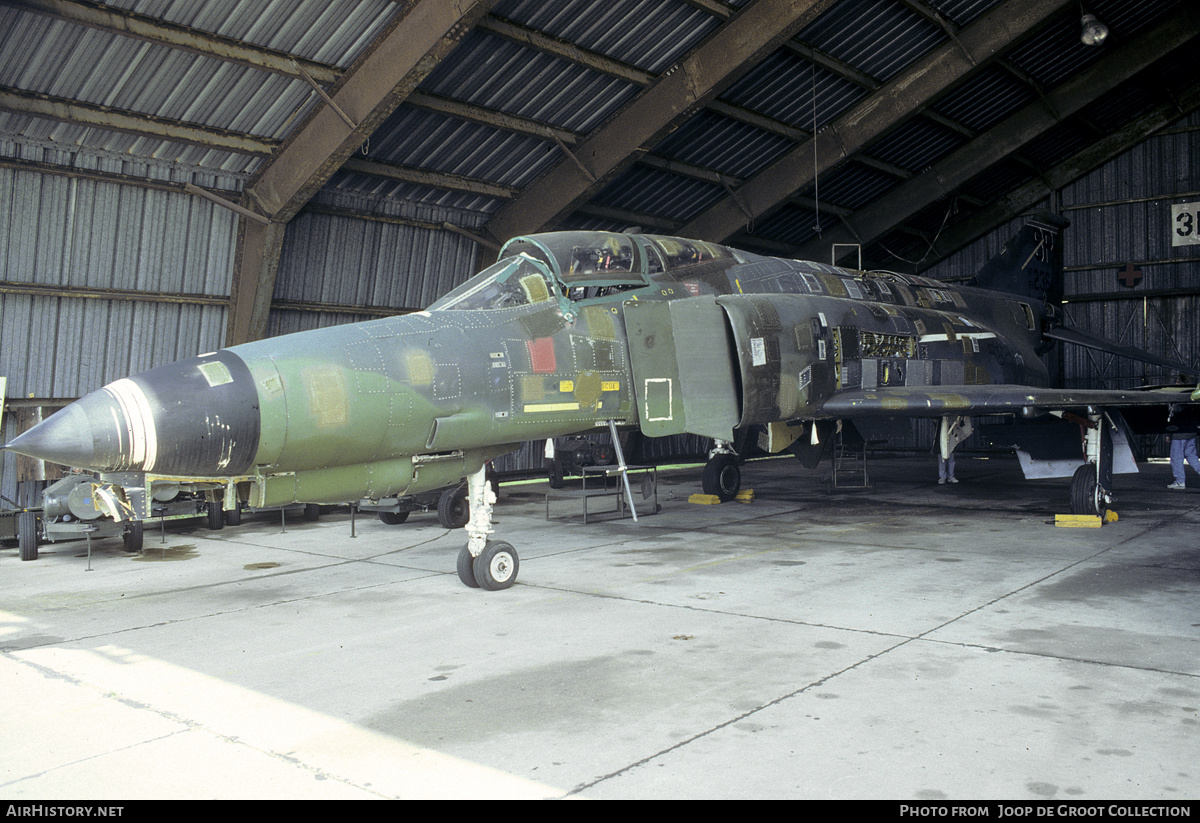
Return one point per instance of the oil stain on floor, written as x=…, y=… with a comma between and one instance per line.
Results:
x=183, y=552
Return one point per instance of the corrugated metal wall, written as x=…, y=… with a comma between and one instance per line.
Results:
x=59, y=231
x=71, y=232
x=1120, y=215
x=394, y=260
x=1121, y=218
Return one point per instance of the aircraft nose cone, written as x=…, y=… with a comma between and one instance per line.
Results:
x=91, y=433
x=65, y=437
x=195, y=418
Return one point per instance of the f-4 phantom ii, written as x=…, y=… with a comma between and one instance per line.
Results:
x=574, y=330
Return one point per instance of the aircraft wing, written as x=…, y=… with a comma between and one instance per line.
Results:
x=935, y=401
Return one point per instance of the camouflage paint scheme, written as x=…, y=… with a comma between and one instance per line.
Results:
x=570, y=330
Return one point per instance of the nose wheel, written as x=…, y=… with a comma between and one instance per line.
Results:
x=494, y=569
x=485, y=564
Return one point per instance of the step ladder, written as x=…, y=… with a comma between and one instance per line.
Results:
x=849, y=465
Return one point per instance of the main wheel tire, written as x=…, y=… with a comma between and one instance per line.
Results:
x=497, y=566
x=133, y=536
x=453, y=509
x=393, y=518
x=233, y=517
x=27, y=529
x=1086, y=495
x=312, y=512
x=216, y=515
x=722, y=477
x=466, y=568
x=555, y=472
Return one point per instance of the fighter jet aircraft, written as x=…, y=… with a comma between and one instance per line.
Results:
x=576, y=330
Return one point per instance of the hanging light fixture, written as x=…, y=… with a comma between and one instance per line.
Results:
x=1094, y=31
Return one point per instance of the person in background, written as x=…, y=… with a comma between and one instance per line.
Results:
x=952, y=431
x=946, y=469
x=1183, y=450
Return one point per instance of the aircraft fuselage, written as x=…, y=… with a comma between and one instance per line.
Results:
x=568, y=331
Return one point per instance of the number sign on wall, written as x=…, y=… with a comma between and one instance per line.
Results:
x=1185, y=224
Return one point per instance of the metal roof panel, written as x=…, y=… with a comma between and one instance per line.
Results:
x=649, y=34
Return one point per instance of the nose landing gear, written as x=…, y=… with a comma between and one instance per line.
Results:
x=483, y=563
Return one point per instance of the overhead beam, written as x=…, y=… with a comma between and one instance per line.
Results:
x=433, y=179
x=490, y=117
x=152, y=30
x=213, y=197
x=954, y=170
x=547, y=44
x=748, y=36
x=578, y=55
x=148, y=29
x=93, y=293
x=410, y=47
x=890, y=105
x=104, y=176
x=713, y=7
x=400, y=58
x=142, y=125
x=533, y=128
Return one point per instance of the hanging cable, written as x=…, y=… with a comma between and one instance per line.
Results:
x=816, y=173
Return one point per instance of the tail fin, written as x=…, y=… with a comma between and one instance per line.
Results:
x=1031, y=263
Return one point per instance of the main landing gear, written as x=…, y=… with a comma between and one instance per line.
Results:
x=1091, y=485
x=722, y=475
x=483, y=563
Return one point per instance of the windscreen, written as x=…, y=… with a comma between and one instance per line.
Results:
x=513, y=281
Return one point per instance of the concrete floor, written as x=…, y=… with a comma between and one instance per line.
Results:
x=917, y=643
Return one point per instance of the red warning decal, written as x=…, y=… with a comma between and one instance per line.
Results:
x=541, y=355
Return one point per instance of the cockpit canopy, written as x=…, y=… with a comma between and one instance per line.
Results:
x=577, y=265
x=585, y=257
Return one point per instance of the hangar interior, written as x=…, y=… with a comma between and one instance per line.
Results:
x=182, y=175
